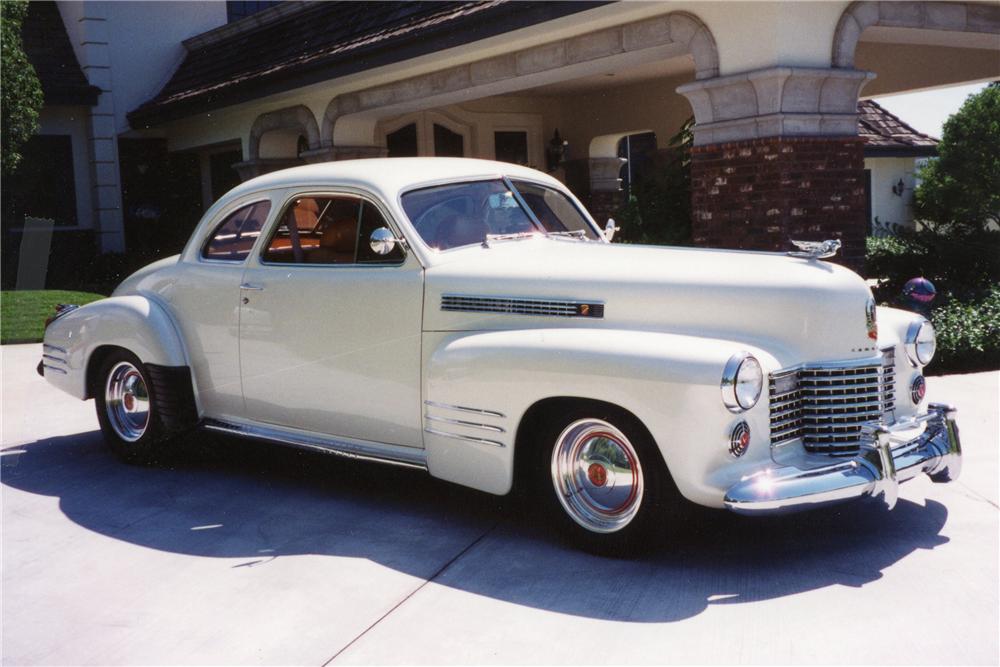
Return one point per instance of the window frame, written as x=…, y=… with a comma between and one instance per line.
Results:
x=220, y=219
x=289, y=200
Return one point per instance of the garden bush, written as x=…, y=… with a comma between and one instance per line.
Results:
x=968, y=334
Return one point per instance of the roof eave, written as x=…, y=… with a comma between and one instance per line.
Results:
x=497, y=21
x=900, y=151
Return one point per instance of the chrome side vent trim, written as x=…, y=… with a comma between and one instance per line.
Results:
x=521, y=306
x=478, y=429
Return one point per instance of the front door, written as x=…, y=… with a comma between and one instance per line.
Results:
x=330, y=330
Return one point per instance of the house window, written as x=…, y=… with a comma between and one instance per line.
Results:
x=43, y=185
x=403, y=142
x=448, y=143
x=639, y=150
x=240, y=9
x=511, y=147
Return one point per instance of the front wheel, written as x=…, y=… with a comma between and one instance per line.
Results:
x=602, y=480
x=126, y=409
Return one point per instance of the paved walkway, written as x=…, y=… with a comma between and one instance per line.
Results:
x=259, y=555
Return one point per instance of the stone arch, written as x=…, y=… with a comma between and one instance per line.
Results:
x=291, y=118
x=350, y=119
x=952, y=16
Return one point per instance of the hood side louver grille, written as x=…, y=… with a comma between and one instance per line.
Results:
x=521, y=306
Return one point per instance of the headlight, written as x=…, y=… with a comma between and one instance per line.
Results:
x=742, y=381
x=921, y=342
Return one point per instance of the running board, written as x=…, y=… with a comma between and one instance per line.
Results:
x=399, y=456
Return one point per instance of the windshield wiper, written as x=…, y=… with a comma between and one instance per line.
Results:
x=576, y=233
x=516, y=236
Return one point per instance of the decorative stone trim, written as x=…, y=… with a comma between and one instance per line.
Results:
x=981, y=17
x=334, y=153
x=776, y=102
x=292, y=118
x=259, y=166
x=680, y=29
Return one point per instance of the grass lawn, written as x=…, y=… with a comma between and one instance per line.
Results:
x=23, y=313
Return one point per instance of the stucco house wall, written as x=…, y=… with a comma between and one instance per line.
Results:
x=891, y=203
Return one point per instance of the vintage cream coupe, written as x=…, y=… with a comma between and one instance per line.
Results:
x=469, y=318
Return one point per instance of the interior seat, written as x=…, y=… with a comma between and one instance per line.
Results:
x=337, y=244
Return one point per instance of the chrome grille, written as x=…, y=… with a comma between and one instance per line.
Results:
x=521, y=306
x=826, y=405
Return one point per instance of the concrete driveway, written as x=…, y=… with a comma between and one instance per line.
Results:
x=253, y=554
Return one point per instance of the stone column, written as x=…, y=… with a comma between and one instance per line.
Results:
x=93, y=52
x=606, y=195
x=777, y=157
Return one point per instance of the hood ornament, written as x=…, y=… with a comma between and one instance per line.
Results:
x=815, y=249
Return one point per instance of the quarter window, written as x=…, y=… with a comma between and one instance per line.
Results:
x=235, y=236
x=328, y=230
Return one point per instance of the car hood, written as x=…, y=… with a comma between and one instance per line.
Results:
x=798, y=309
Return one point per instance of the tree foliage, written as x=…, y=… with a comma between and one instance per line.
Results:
x=20, y=90
x=960, y=190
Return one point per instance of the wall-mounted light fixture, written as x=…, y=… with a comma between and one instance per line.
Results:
x=556, y=152
x=899, y=188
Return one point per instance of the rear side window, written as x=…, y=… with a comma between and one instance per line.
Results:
x=235, y=236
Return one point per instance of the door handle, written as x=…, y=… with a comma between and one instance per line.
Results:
x=251, y=287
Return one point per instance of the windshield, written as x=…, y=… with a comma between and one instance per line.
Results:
x=460, y=214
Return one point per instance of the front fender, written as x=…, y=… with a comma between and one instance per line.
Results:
x=136, y=323
x=669, y=382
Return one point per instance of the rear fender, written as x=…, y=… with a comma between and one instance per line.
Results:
x=136, y=323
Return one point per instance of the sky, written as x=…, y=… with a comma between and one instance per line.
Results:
x=927, y=111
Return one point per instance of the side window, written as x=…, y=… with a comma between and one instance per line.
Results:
x=371, y=219
x=316, y=230
x=235, y=236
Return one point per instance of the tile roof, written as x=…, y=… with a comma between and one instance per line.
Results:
x=886, y=135
x=48, y=49
x=289, y=46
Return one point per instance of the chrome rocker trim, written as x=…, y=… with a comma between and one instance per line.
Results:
x=889, y=455
x=361, y=451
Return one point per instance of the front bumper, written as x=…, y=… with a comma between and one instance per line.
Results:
x=889, y=455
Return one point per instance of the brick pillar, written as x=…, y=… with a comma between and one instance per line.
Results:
x=776, y=158
x=760, y=193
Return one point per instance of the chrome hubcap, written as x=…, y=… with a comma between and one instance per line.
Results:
x=126, y=400
x=597, y=476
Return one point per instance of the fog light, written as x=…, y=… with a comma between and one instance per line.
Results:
x=918, y=389
x=739, y=440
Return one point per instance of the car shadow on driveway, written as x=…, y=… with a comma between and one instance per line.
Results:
x=255, y=503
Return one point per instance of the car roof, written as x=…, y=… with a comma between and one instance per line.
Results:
x=388, y=176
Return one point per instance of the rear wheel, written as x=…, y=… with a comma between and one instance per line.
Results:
x=126, y=409
x=601, y=479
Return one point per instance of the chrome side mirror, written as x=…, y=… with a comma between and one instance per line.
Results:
x=383, y=242
x=610, y=229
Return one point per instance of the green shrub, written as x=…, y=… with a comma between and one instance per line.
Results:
x=658, y=212
x=968, y=334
